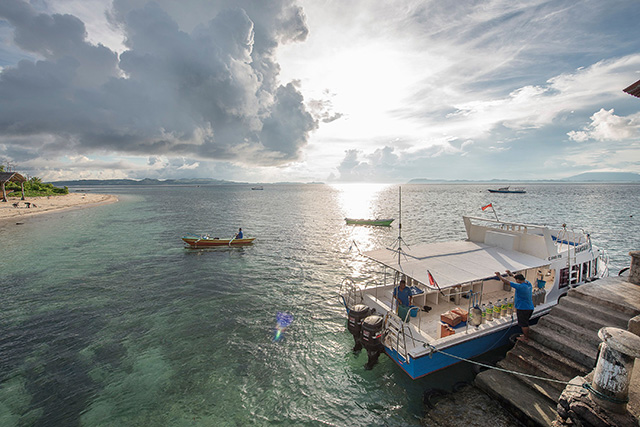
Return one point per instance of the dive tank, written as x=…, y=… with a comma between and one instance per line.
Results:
x=496, y=309
x=543, y=294
x=536, y=298
x=475, y=316
x=371, y=338
x=354, y=323
x=510, y=306
x=503, y=309
x=484, y=313
x=489, y=312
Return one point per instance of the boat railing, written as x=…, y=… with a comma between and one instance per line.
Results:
x=603, y=260
x=394, y=322
x=350, y=293
x=505, y=225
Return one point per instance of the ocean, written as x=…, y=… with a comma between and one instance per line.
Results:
x=106, y=319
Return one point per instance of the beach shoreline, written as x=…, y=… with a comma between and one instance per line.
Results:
x=49, y=204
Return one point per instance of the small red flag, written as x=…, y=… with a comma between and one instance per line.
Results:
x=432, y=281
x=488, y=206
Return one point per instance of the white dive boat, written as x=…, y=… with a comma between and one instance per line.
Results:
x=459, y=276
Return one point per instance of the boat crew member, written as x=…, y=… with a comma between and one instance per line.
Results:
x=239, y=235
x=523, y=301
x=403, y=296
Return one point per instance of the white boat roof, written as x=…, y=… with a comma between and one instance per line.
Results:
x=454, y=263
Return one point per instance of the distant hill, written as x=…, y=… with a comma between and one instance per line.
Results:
x=146, y=181
x=605, y=177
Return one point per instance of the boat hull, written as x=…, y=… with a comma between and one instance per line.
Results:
x=430, y=363
x=376, y=222
x=508, y=191
x=209, y=242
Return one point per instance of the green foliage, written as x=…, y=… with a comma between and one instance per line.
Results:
x=36, y=188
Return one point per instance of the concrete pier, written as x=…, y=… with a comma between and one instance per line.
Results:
x=564, y=345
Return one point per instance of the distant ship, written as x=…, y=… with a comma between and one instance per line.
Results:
x=518, y=190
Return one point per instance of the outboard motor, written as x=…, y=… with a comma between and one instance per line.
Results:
x=372, y=331
x=354, y=323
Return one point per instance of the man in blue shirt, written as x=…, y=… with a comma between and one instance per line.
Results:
x=523, y=301
x=239, y=235
x=402, y=294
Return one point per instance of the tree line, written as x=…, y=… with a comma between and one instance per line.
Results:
x=33, y=187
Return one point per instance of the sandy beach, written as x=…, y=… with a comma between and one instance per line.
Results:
x=39, y=205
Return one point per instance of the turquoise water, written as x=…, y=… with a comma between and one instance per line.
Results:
x=108, y=320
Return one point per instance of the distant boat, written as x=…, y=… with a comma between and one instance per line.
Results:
x=377, y=222
x=197, y=242
x=257, y=188
x=517, y=190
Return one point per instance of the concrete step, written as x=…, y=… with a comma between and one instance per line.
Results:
x=527, y=405
x=590, y=314
x=548, y=389
x=562, y=325
x=619, y=295
x=534, y=364
x=552, y=358
x=572, y=347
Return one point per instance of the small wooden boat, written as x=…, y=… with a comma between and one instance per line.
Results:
x=377, y=222
x=508, y=190
x=197, y=242
x=258, y=188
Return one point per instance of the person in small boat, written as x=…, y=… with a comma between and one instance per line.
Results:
x=239, y=235
x=523, y=301
x=402, y=294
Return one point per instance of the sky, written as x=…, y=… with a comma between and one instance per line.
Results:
x=318, y=90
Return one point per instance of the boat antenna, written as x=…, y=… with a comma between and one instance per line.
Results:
x=400, y=240
x=399, y=222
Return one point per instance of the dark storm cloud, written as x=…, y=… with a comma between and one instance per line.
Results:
x=210, y=93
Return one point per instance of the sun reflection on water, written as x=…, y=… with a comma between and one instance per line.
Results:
x=366, y=201
x=359, y=200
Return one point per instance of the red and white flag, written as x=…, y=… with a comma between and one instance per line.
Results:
x=432, y=281
x=488, y=206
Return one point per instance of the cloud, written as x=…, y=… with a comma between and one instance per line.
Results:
x=208, y=92
x=606, y=126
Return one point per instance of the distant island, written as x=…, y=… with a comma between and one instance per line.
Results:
x=146, y=181
x=605, y=177
x=629, y=177
x=149, y=181
x=583, y=177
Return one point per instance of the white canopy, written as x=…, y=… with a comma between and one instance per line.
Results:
x=454, y=263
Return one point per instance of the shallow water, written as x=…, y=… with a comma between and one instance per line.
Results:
x=107, y=319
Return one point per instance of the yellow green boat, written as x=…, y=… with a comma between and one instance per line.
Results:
x=376, y=222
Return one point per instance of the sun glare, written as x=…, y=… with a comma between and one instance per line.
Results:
x=358, y=200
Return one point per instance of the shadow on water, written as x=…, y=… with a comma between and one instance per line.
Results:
x=44, y=350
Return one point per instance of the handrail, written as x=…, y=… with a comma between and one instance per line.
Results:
x=506, y=222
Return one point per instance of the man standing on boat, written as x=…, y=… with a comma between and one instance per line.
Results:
x=402, y=294
x=523, y=301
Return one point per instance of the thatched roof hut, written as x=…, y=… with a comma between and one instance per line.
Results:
x=11, y=177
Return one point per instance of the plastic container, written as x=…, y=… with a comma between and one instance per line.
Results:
x=413, y=310
x=496, y=309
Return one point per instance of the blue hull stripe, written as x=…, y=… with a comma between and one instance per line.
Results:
x=428, y=364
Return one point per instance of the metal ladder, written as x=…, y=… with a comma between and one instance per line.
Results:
x=350, y=293
x=396, y=334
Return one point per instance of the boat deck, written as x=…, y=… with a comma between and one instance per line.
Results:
x=428, y=322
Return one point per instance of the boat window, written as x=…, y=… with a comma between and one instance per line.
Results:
x=564, y=277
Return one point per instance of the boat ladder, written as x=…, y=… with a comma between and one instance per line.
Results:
x=396, y=334
x=568, y=237
x=350, y=293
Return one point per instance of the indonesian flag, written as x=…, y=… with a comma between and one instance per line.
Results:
x=488, y=206
x=432, y=281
